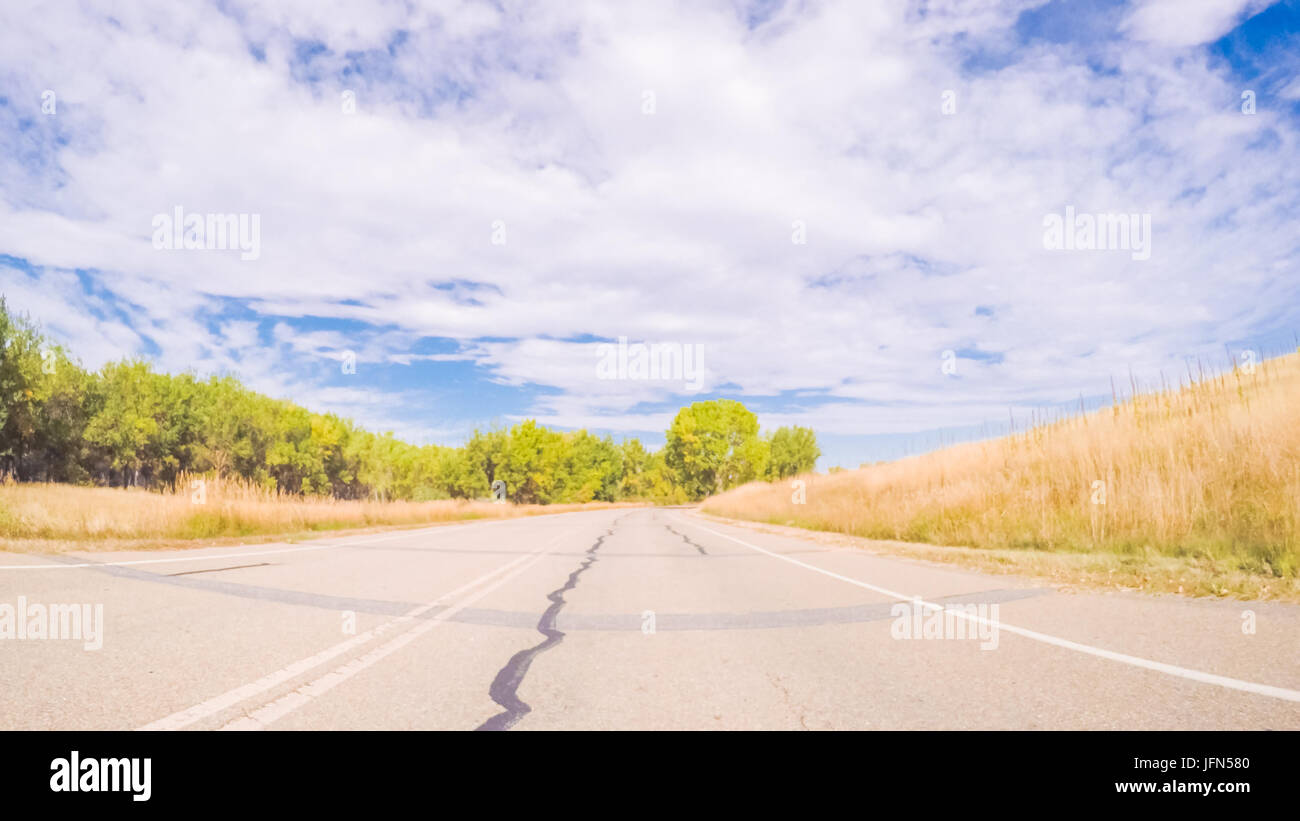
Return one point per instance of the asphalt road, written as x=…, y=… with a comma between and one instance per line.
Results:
x=629, y=618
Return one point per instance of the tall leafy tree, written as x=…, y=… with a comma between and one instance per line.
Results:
x=533, y=457
x=793, y=451
x=125, y=429
x=590, y=470
x=23, y=390
x=714, y=445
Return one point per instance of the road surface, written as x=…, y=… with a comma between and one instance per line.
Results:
x=623, y=618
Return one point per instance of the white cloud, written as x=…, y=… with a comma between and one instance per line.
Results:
x=1187, y=22
x=671, y=226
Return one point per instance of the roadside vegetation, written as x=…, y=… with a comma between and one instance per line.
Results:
x=1190, y=489
x=270, y=466
x=49, y=517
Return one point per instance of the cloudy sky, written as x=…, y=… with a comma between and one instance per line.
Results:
x=825, y=197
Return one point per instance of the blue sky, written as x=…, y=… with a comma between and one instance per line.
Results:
x=470, y=198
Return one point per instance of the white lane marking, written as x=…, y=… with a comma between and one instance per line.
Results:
x=1136, y=661
x=262, y=717
x=228, y=699
x=360, y=540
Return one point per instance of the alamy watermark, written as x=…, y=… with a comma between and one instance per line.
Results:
x=77, y=774
x=209, y=232
x=35, y=621
x=658, y=361
x=918, y=619
x=1098, y=232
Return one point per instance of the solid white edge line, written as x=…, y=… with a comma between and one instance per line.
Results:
x=1136, y=661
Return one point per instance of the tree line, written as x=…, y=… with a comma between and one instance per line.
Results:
x=127, y=425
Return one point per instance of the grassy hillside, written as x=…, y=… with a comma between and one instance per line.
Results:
x=1208, y=474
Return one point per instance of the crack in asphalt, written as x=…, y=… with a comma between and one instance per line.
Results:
x=505, y=687
x=687, y=539
x=789, y=702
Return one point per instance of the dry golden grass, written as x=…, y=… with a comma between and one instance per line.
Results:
x=1206, y=475
x=52, y=517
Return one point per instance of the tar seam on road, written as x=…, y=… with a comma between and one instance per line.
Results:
x=219, y=569
x=505, y=687
x=687, y=539
x=861, y=613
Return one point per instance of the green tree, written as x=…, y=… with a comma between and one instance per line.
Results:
x=635, y=470
x=714, y=445
x=591, y=469
x=532, y=462
x=485, y=455
x=125, y=428
x=462, y=475
x=26, y=386
x=793, y=451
